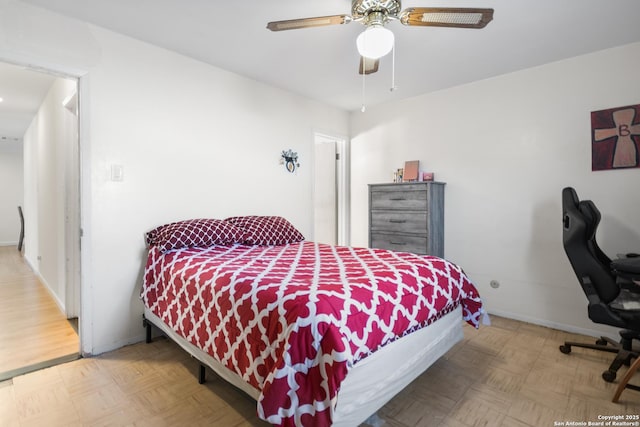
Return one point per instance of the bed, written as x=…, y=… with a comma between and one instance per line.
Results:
x=317, y=334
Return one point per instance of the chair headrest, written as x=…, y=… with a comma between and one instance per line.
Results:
x=569, y=197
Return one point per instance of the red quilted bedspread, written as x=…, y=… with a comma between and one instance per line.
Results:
x=291, y=320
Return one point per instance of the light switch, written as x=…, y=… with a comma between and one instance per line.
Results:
x=117, y=173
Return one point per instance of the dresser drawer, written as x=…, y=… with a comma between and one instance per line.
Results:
x=399, y=242
x=399, y=221
x=400, y=198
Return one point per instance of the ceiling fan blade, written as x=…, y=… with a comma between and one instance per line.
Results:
x=319, y=21
x=458, y=17
x=368, y=65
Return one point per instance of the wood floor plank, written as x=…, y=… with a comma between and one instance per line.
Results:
x=8, y=408
x=34, y=330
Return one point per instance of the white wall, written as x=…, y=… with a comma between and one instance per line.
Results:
x=47, y=142
x=506, y=147
x=11, y=191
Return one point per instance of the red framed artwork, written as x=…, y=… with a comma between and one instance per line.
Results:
x=615, y=138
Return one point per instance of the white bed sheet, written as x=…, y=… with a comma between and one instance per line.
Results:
x=373, y=381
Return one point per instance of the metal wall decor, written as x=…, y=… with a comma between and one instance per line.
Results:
x=289, y=159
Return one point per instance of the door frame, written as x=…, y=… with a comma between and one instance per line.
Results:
x=73, y=199
x=341, y=180
x=72, y=214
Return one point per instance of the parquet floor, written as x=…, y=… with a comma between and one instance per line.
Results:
x=33, y=331
x=509, y=374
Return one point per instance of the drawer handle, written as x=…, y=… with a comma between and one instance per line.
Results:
x=395, y=199
x=398, y=243
x=398, y=221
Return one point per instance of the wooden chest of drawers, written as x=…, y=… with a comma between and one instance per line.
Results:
x=407, y=217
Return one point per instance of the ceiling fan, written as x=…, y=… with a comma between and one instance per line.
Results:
x=376, y=41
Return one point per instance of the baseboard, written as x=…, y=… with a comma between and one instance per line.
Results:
x=118, y=344
x=44, y=283
x=613, y=333
x=9, y=244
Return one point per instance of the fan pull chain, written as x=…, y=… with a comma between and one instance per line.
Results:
x=363, y=108
x=393, y=67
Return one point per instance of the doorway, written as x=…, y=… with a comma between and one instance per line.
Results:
x=330, y=196
x=50, y=259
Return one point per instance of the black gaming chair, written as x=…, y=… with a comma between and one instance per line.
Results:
x=608, y=286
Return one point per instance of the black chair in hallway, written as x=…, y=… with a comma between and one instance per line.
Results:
x=21, y=239
x=613, y=298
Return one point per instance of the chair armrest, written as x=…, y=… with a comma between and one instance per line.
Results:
x=627, y=267
x=628, y=255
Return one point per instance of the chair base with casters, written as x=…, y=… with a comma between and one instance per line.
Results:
x=622, y=349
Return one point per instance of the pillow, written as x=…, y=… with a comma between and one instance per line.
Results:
x=266, y=230
x=194, y=233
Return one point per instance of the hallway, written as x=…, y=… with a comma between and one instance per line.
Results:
x=34, y=333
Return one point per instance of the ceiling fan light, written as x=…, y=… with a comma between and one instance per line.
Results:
x=375, y=42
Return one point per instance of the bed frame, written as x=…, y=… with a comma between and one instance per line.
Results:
x=370, y=384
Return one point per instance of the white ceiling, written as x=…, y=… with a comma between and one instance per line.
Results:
x=322, y=63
